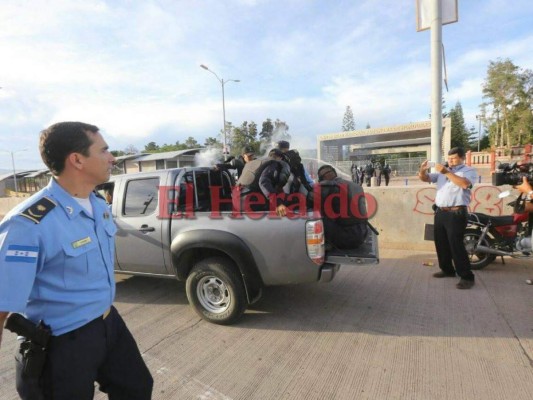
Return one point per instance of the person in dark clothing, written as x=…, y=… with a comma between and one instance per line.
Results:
x=454, y=184
x=345, y=225
x=386, y=174
x=369, y=173
x=238, y=163
x=292, y=157
x=259, y=188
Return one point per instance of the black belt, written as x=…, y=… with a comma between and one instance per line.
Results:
x=455, y=208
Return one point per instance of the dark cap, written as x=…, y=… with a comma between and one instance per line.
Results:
x=283, y=144
x=323, y=170
x=248, y=150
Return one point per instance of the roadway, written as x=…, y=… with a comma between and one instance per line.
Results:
x=384, y=332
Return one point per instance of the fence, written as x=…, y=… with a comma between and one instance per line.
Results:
x=399, y=166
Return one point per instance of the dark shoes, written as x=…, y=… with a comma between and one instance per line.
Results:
x=442, y=274
x=464, y=284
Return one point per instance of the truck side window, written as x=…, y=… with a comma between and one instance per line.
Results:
x=142, y=197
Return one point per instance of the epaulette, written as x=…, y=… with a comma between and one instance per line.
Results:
x=97, y=194
x=37, y=211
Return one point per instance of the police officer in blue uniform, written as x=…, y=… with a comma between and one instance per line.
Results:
x=454, y=191
x=56, y=265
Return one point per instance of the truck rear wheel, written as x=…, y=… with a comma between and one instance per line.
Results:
x=216, y=291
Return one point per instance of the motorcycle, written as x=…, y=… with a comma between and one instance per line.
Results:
x=487, y=237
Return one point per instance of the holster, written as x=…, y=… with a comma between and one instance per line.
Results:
x=33, y=358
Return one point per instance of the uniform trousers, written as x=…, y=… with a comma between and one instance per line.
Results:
x=102, y=351
x=450, y=228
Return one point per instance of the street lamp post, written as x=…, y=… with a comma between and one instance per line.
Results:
x=13, y=165
x=222, y=83
x=478, y=117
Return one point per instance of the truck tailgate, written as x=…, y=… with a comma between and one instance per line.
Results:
x=367, y=253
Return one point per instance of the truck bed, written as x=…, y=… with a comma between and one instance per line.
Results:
x=367, y=253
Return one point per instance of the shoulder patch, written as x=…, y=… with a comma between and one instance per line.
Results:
x=37, y=211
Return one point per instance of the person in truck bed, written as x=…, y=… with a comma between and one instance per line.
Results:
x=343, y=209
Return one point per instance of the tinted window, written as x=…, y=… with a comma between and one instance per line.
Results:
x=141, y=197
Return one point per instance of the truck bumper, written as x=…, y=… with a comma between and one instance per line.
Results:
x=328, y=272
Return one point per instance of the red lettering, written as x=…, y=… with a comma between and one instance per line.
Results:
x=169, y=195
x=217, y=201
x=297, y=202
x=355, y=210
x=250, y=201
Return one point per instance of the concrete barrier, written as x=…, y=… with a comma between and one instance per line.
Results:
x=399, y=213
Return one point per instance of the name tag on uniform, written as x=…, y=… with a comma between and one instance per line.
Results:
x=81, y=242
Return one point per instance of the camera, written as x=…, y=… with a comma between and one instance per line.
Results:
x=512, y=174
x=431, y=164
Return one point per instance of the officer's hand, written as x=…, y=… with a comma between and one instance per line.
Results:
x=524, y=187
x=281, y=210
x=441, y=168
x=424, y=166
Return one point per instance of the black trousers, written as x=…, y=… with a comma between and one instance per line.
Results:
x=102, y=351
x=449, y=231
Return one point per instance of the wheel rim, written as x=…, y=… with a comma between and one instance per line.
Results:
x=470, y=242
x=213, y=294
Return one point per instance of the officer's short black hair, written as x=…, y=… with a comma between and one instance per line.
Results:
x=457, y=150
x=59, y=140
x=323, y=170
x=283, y=144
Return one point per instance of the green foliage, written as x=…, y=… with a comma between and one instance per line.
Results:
x=348, y=122
x=460, y=133
x=236, y=137
x=507, y=109
x=266, y=132
x=212, y=142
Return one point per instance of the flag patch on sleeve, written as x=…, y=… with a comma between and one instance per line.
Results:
x=24, y=254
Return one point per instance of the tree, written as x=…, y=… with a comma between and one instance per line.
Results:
x=131, y=149
x=151, y=147
x=508, y=96
x=460, y=133
x=191, y=143
x=267, y=130
x=212, y=142
x=244, y=135
x=348, y=122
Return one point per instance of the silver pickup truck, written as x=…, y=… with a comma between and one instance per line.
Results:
x=179, y=223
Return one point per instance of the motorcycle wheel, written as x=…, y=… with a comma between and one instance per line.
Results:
x=477, y=260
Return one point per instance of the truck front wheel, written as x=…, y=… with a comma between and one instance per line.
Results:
x=216, y=291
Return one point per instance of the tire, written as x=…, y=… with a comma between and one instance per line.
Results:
x=477, y=260
x=216, y=292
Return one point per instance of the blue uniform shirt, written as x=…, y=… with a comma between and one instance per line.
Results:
x=448, y=193
x=57, y=267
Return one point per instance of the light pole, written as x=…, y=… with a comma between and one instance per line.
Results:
x=222, y=83
x=478, y=117
x=13, y=165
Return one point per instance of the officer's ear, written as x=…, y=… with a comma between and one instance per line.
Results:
x=75, y=160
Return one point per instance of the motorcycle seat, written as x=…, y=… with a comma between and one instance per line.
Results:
x=496, y=221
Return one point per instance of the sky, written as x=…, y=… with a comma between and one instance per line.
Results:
x=133, y=67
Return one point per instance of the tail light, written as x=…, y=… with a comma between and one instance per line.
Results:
x=314, y=237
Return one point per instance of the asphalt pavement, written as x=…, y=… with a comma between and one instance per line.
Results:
x=389, y=331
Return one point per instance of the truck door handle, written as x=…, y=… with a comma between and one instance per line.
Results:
x=146, y=228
